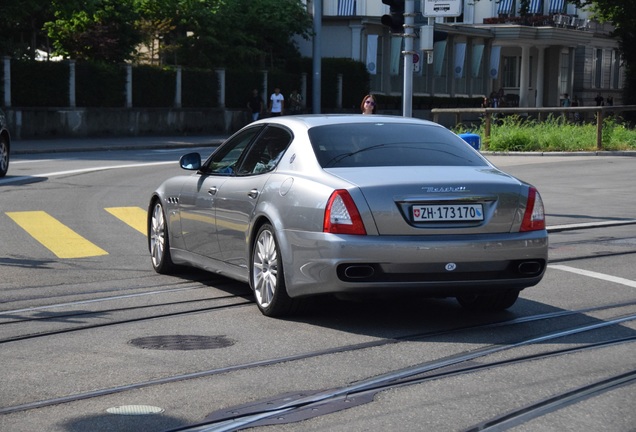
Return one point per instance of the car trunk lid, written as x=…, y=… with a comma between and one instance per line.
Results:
x=438, y=199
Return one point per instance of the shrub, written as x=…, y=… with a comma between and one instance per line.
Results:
x=514, y=133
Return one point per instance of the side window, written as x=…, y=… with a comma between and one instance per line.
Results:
x=264, y=154
x=225, y=160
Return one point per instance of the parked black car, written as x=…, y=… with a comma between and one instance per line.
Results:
x=5, y=145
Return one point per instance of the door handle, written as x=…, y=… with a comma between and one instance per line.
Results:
x=253, y=193
x=213, y=190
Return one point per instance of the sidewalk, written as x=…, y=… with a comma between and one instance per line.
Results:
x=33, y=146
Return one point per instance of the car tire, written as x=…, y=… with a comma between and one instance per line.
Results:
x=4, y=156
x=158, y=240
x=267, y=277
x=489, y=302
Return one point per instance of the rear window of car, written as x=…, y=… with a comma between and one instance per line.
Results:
x=390, y=144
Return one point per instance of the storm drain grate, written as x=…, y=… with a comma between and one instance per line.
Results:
x=182, y=342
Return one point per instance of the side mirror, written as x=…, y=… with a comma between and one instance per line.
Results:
x=190, y=161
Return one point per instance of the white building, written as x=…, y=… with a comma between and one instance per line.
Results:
x=535, y=56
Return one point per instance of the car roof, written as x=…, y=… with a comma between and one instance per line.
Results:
x=313, y=120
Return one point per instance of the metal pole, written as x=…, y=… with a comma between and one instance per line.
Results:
x=6, y=60
x=71, y=83
x=599, y=129
x=409, y=35
x=317, y=60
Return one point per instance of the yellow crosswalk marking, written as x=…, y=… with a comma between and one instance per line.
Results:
x=58, y=238
x=133, y=216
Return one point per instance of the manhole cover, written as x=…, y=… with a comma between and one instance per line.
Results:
x=182, y=342
x=135, y=410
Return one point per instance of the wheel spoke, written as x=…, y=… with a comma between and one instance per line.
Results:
x=4, y=156
x=265, y=268
x=157, y=231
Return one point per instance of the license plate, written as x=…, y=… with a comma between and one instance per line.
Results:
x=447, y=212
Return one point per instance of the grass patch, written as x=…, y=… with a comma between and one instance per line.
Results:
x=555, y=134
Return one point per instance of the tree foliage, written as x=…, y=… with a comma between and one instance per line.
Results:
x=197, y=33
x=99, y=30
x=21, y=23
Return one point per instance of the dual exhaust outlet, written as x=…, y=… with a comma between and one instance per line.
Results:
x=366, y=271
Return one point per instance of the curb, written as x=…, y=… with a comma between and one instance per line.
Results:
x=580, y=153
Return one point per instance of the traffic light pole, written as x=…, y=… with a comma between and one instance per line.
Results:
x=409, y=36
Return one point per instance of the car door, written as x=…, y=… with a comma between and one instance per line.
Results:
x=238, y=196
x=198, y=197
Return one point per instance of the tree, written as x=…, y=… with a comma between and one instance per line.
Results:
x=99, y=30
x=211, y=33
x=621, y=14
x=266, y=29
x=197, y=33
x=21, y=24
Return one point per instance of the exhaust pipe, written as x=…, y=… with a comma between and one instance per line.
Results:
x=359, y=271
x=530, y=267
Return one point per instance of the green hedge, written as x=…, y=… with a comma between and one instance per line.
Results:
x=355, y=81
x=153, y=87
x=46, y=84
x=200, y=88
x=100, y=85
x=39, y=84
x=428, y=102
x=239, y=85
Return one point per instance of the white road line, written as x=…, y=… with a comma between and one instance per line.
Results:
x=82, y=170
x=596, y=224
x=17, y=162
x=602, y=276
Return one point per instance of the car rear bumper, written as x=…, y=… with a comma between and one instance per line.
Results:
x=319, y=263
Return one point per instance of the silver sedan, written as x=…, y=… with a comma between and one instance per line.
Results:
x=299, y=206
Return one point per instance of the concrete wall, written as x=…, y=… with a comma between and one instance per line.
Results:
x=29, y=123
x=43, y=123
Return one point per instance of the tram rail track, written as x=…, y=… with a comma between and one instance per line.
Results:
x=384, y=380
x=130, y=320
x=269, y=414
x=280, y=410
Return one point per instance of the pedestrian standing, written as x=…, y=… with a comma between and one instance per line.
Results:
x=566, y=101
x=599, y=100
x=255, y=105
x=368, y=104
x=295, y=102
x=276, y=102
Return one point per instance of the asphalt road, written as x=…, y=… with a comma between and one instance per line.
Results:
x=99, y=342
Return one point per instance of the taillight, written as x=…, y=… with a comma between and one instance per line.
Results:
x=342, y=216
x=534, y=217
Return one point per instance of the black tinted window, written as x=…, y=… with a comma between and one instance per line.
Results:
x=390, y=144
x=264, y=154
x=224, y=159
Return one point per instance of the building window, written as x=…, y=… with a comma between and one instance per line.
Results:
x=564, y=72
x=510, y=73
x=598, y=72
x=616, y=69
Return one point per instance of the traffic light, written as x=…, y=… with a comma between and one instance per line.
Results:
x=395, y=19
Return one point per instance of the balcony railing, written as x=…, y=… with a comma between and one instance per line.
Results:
x=558, y=20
